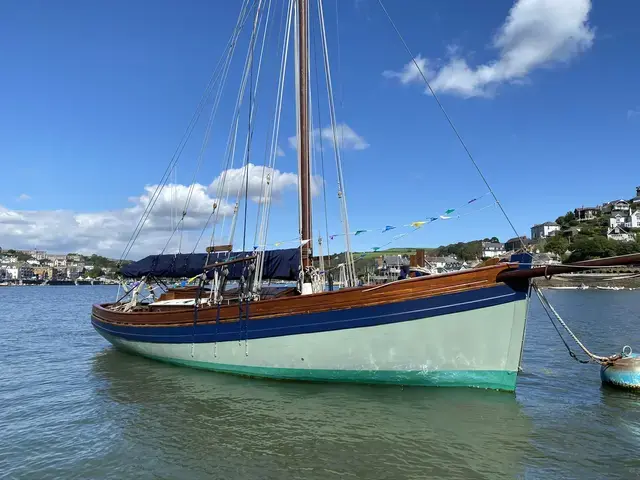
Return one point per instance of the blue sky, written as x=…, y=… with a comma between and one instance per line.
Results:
x=95, y=97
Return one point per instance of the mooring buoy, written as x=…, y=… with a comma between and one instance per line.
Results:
x=623, y=372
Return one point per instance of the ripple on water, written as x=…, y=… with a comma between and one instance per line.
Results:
x=72, y=407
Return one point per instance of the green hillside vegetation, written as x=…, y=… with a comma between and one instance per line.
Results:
x=591, y=242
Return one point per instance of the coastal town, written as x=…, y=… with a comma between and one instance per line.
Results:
x=30, y=267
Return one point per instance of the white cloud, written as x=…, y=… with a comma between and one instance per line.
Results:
x=346, y=137
x=234, y=182
x=536, y=34
x=23, y=197
x=410, y=73
x=107, y=232
x=280, y=152
x=631, y=113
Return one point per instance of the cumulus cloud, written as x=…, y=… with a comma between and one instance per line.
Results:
x=536, y=34
x=631, y=113
x=279, y=152
x=233, y=182
x=107, y=232
x=23, y=197
x=346, y=137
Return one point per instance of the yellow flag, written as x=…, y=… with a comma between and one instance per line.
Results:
x=417, y=224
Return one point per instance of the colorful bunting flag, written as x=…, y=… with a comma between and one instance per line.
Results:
x=358, y=232
x=417, y=224
x=447, y=212
x=387, y=228
x=375, y=249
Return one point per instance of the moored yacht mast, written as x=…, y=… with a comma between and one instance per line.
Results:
x=304, y=172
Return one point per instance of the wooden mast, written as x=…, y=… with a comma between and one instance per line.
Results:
x=304, y=174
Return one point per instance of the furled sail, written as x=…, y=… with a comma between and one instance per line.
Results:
x=278, y=264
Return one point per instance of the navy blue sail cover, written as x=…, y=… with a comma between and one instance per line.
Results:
x=278, y=265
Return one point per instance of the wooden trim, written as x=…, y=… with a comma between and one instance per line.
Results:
x=219, y=248
x=409, y=289
x=229, y=262
x=524, y=274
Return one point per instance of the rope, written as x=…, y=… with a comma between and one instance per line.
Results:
x=451, y=124
x=548, y=308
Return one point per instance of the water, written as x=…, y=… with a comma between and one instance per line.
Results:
x=72, y=407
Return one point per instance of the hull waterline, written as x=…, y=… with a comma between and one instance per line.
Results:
x=468, y=339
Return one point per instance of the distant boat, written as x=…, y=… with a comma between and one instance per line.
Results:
x=609, y=288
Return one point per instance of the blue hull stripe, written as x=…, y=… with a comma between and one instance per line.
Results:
x=318, y=322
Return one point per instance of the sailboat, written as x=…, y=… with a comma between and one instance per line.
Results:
x=463, y=329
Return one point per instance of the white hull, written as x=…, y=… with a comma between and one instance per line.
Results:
x=480, y=347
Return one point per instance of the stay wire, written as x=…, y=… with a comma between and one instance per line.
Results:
x=450, y=121
x=324, y=182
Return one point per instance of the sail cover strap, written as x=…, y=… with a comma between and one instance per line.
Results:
x=278, y=265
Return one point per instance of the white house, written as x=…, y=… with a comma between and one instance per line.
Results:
x=626, y=220
x=33, y=262
x=544, y=230
x=616, y=206
x=37, y=254
x=620, y=235
x=492, y=249
x=12, y=272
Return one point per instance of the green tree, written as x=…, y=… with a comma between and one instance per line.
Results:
x=566, y=219
x=23, y=257
x=597, y=247
x=95, y=272
x=556, y=244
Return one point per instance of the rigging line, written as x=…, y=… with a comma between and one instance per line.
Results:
x=187, y=134
x=341, y=187
x=207, y=136
x=252, y=116
x=184, y=213
x=340, y=85
x=230, y=148
x=451, y=124
x=264, y=226
x=249, y=135
x=266, y=140
x=324, y=183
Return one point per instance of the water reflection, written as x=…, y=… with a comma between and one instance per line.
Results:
x=232, y=427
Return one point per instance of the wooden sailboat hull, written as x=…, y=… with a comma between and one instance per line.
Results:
x=471, y=337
